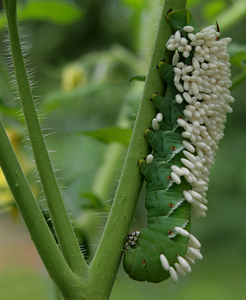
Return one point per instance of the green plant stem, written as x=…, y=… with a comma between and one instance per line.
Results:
x=107, y=258
x=33, y=217
x=63, y=227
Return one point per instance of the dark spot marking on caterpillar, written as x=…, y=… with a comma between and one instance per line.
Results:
x=169, y=177
x=171, y=205
x=173, y=148
x=143, y=262
x=170, y=232
x=180, y=117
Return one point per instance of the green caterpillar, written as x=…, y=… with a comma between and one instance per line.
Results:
x=184, y=139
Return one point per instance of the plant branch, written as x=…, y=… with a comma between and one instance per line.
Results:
x=107, y=258
x=33, y=217
x=63, y=227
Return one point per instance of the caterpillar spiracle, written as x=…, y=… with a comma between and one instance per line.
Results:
x=184, y=140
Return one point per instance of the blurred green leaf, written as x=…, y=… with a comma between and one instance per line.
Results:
x=238, y=59
x=58, y=12
x=237, y=80
x=137, y=4
x=192, y=3
x=237, y=55
x=94, y=200
x=232, y=15
x=57, y=99
x=212, y=8
x=110, y=134
x=235, y=48
x=138, y=78
x=60, y=99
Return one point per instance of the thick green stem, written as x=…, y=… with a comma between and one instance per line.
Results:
x=107, y=258
x=35, y=222
x=63, y=227
x=104, y=266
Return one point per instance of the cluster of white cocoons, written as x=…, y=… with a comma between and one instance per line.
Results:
x=183, y=265
x=204, y=85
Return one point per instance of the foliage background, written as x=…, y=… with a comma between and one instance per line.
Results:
x=84, y=53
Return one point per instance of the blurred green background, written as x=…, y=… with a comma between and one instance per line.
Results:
x=82, y=54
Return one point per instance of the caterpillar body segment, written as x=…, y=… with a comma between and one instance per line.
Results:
x=165, y=143
x=169, y=108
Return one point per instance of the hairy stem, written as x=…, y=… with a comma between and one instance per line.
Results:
x=63, y=228
x=107, y=258
x=33, y=217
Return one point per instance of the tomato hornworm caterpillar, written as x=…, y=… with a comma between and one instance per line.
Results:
x=184, y=139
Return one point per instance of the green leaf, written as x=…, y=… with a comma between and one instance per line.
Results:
x=238, y=79
x=232, y=15
x=237, y=55
x=211, y=9
x=59, y=12
x=93, y=199
x=136, y=4
x=193, y=3
x=59, y=99
x=235, y=48
x=138, y=77
x=238, y=60
x=110, y=134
